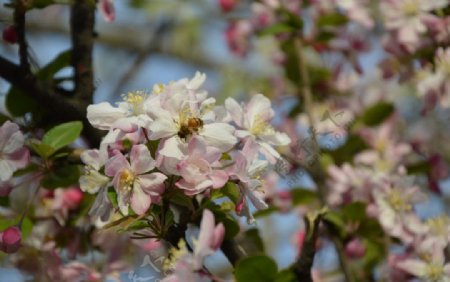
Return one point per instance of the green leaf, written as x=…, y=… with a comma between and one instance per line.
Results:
x=275, y=29
x=18, y=103
x=301, y=196
x=231, y=226
x=256, y=268
x=377, y=113
x=63, y=134
x=3, y=118
x=61, y=61
x=286, y=275
x=335, y=19
x=422, y=167
x=252, y=242
x=353, y=145
x=230, y=190
x=335, y=222
x=29, y=168
x=355, y=211
x=265, y=212
x=43, y=150
x=63, y=176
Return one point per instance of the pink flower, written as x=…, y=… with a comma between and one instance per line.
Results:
x=107, y=10
x=132, y=180
x=5, y=188
x=10, y=240
x=200, y=168
x=13, y=155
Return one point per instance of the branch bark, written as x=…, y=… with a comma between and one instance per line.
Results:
x=19, y=22
x=82, y=19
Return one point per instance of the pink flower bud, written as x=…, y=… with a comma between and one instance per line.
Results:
x=355, y=249
x=107, y=10
x=10, y=34
x=72, y=197
x=227, y=5
x=10, y=240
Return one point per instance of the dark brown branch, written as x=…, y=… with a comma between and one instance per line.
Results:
x=19, y=22
x=57, y=108
x=82, y=20
x=230, y=250
x=303, y=265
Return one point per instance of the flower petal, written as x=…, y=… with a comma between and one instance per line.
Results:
x=140, y=201
x=116, y=164
x=103, y=115
x=219, y=135
x=141, y=160
x=153, y=183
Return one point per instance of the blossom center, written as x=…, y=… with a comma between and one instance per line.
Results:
x=259, y=125
x=175, y=254
x=434, y=272
x=438, y=225
x=398, y=202
x=127, y=179
x=410, y=8
x=136, y=101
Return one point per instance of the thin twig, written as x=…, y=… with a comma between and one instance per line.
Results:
x=317, y=172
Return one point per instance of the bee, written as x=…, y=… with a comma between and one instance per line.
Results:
x=190, y=127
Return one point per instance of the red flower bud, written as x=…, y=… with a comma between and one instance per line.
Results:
x=10, y=34
x=10, y=240
x=227, y=5
x=355, y=249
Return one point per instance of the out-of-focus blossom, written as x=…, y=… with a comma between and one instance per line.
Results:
x=132, y=180
x=431, y=266
x=5, y=188
x=107, y=9
x=13, y=154
x=357, y=11
x=10, y=240
x=406, y=17
x=237, y=36
x=65, y=200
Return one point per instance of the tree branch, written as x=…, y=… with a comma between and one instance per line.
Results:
x=19, y=22
x=82, y=20
x=57, y=108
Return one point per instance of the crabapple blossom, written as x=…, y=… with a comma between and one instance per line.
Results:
x=13, y=154
x=133, y=181
x=253, y=122
x=107, y=9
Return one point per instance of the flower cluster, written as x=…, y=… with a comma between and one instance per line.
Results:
x=176, y=137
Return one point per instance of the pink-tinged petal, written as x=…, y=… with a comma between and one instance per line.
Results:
x=6, y=170
x=140, y=201
x=259, y=108
x=219, y=135
x=103, y=115
x=107, y=9
x=92, y=158
x=219, y=178
x=162, y=128
x=197, y=81
x=20, y=158
x=173, y=148
x=276, y=138
x=141, y=160
x=191, y=189
x=197, y=147
x=257, y=199
x=14, y=143
x=206, y=236
x=152, y=183
x=116, y=164
x=413, y=266
x=11, y=239
x=219, y=234
x=10, y=137
x=127, y=124
x=235, y=111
